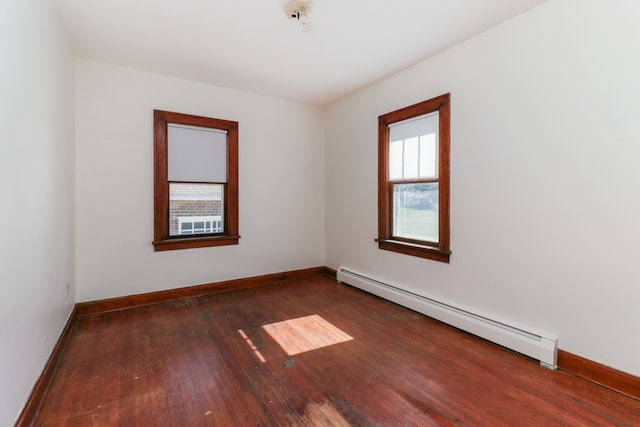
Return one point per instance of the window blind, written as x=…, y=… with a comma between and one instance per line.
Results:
x=196, y=154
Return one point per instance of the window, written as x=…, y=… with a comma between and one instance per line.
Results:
x=195, y=182
x=413, y=180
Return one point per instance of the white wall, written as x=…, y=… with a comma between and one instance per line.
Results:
x=36, y=188
x=281, y=178
x=545, y=179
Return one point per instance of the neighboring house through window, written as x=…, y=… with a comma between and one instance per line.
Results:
x=413, y=179
x=196, y=181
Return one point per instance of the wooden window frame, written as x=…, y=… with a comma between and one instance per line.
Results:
x=438, y=251
x=162, y=240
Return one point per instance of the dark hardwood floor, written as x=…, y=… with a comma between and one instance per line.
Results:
x=306, y=352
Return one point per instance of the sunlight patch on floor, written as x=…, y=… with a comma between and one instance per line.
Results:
x=305, y=334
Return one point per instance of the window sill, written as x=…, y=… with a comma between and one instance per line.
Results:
x=413, y=249
x=194, y=242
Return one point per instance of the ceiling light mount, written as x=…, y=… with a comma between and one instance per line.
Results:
x=299, y=10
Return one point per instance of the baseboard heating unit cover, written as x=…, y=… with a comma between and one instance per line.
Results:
x=532, y=344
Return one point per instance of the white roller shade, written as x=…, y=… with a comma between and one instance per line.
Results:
x=417, y=126
x=196, y=154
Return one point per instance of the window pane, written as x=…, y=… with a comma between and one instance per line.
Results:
x=428, y=156
x=395, y=159
x=411, y=158
x=191, y=206
x=413, y=147
x=415, y=211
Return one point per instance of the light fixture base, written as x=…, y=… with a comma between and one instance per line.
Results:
x=299, y=9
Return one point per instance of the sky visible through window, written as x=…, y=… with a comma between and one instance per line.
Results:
x=413, y=158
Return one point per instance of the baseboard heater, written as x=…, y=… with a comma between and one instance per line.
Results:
x=532, y=344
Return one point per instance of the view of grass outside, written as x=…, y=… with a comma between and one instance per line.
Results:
x=415, y=208
x=416, y=224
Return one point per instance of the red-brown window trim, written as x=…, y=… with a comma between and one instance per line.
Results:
x=441, y=251
x=162, y=241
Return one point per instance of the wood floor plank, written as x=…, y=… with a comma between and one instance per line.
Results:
x=213, y=360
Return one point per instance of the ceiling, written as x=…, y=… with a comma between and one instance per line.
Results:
x=252, y=45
